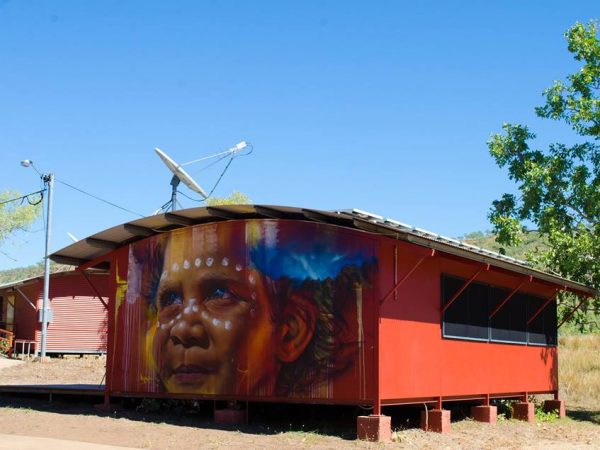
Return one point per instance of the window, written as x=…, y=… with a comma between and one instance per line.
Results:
x=509, y=324
x=542, y=329
x=468, y=317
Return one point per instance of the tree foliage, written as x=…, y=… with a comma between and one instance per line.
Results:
x=17, y=215
x=236, y=198
x=559, y=186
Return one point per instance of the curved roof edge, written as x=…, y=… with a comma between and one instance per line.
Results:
x=102, y=243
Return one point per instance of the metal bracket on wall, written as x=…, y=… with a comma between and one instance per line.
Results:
x=405, y=277
x=464, y=286
x=94, y=289
x=546, y=303
x=509, y=296
x=26, y=298
x=574, y=310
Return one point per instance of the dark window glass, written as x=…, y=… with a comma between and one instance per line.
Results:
x=467, y=316
x=542, y=329
x=509, y=324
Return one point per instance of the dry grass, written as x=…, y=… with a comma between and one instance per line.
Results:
x=579, y=370
x=67, y=370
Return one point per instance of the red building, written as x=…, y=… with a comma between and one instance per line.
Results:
x=78, y=321
x=264, y=303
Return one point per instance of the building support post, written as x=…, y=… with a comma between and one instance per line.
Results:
x=485, y=413
x=375, y=427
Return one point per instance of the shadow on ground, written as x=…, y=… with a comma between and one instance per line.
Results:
x=585, y=415
x=264, y=418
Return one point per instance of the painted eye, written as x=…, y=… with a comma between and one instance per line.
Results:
x=220, y=294
x=221, y=297
x=169, y=298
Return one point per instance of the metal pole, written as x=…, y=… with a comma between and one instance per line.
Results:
x=49, y=181
x=174, y=183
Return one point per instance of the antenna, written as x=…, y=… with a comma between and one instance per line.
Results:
x=179, y=175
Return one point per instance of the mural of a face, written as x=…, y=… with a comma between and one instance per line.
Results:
x=216, y=331
x=255, y=308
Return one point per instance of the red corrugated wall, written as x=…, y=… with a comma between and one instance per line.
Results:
x=416, y=362
x=25, y=322
x=79, y=323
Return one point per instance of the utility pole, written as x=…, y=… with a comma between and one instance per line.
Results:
x=49, y=182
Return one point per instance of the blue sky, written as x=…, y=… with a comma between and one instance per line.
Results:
x=384, y=106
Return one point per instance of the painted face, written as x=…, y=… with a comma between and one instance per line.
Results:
x=214, y=333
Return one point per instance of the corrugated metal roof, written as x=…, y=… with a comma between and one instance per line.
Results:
x=26, y=281
x=100, y=244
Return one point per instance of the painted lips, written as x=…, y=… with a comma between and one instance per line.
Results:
x=191, y=373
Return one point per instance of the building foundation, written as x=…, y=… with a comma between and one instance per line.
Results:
x=557, y=406
x=374, y=428
x=523, y=411
x=228, y=416
x=485, y=413
x=436, y=420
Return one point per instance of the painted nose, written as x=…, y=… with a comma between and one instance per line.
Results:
x=188, y=330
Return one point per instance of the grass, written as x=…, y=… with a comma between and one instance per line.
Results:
x=579, y=371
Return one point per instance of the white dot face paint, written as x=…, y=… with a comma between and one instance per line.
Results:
x=178, y=317
x=186, y=264
x=187, y=310
x=195, y=308
x=253, y=295
x=225, y=262
x=198, y=262
x=204, y=315
x=238, y=267
x=209, y=262
x=251, y=279
x=227, y=325
x=175, y=267
x=216, y=322
x=191, y=301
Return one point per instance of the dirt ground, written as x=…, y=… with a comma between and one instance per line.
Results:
x=180, y=428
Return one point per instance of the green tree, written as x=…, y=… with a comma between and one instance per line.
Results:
x=559, y=186
x=236, y=198
x=17, y=214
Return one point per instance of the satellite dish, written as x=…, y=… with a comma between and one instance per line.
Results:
x=180, y=174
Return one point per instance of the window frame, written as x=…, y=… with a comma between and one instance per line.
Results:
x=526, y=342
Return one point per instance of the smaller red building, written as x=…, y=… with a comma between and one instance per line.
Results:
x=78, y=322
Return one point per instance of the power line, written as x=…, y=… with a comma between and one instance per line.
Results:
x=25, y=197
x=98, y=198
x=8, y=256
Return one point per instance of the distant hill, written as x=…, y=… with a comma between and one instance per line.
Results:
x=532, y=242
x=36, y=270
